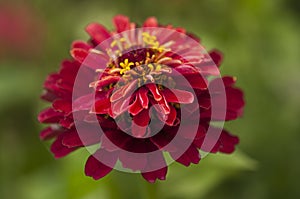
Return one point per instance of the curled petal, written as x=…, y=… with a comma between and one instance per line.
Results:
x=105, y=81
x=172, y=117
x=123, y=91
x=143, y=97
x=136, y=107
x=155, y=92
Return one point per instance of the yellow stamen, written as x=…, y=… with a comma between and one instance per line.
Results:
x=126, y=66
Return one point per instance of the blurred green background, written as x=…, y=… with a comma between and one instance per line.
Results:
x=260, y=40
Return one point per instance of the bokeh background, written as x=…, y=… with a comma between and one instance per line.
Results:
x=260, y=40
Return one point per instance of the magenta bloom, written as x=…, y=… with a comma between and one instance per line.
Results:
x=137, y=93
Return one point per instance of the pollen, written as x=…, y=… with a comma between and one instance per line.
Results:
x=125, y=66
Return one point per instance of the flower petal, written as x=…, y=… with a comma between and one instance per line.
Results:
x=49, y=115
x=85, y=135
x=133, y=161
x=178, y=96
x=49, y=133
x=140, y=123
x=191, y=155
x=58, y=149
x=121, y=23
x=98, y=32
x=62, y=105
x=150, y=22
x=216, y=56
x=81, y=44
x=171, y=116
x=96, y=169
x=155, y=161
x=157, y=174
x=136, y=107
x=155, y=92
x=143, y=97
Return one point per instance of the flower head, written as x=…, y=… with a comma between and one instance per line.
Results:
x=137, y=93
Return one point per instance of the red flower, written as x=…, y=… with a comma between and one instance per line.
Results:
x=139, y=92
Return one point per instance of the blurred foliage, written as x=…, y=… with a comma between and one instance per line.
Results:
x=260, y=40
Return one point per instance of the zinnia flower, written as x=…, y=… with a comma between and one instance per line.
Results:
x=137, y=93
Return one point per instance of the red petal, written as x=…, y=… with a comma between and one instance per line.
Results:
x=98, y=32
x=153, y=175
x=191, y=155
x=67, y=122
x=105, y=81
x=123, y=91
x=155, y=161
x=171, y=117
x=134, y=161
x=135, y=108
x=150, y=22
x=164, y=106
x=194, y=80
x=216, y=84
x=140, y=123
x=114, y=139
x=216, y=56
x=155, y=92
x=49, y=115
x=143, y=97
x=58, y=149
x=119, y=107
x=96, y=169
x=121, y=23
x=178, y=96
x=62, y=105
x=88, y=58
x=84, y=102
x=79, y=54
x=49, y=133
x=228, y=142
x=82, y=136
x=81, y=44
x=102, y=106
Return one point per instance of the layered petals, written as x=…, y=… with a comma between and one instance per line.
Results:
x=137, y=93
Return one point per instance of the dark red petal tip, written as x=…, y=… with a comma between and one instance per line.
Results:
x=154, y=175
